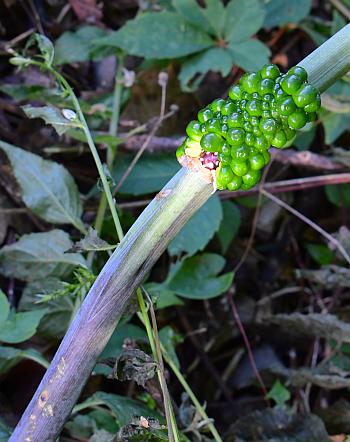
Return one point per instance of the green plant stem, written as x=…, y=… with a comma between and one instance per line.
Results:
x=192, y=396
x=90, y=141
x=113, y=129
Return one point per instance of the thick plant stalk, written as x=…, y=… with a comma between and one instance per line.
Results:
x=123, y=273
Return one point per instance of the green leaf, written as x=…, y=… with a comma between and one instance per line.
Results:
x=334, y=125
x=250, y=54
x=4, y=307
x=114, y=346
x=53, y=116
x=230, y=224
x=280, y=12
x=149, y=175
x=199, y=230
x=213, y=59
x=158, y=35
x=339, y=195
x=10, y=356
x=279, y=394
x=123, y=408
x=38, y=255
x=164, y=296
x=45, y=46
x=20, y=326
x=320, y=253
x=47, y=188
x=196, y=277
x=243, y=19
x=192, y=12
x=76, y=46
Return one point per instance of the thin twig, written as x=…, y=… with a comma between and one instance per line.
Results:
x=307, y=221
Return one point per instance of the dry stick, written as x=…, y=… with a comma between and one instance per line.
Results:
x=308, y=221
x=95, y=322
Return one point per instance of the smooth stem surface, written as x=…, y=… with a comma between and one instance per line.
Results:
x=147, y=239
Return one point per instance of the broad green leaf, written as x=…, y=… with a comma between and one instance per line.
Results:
x=243, y=19
x=196, y=277
x=199, y=230
x=339, y=195
x=230, y=224
x=53, y=116
x=213, y=59
x=123, y=408
x=149, y=175
x=115, y=344
x=45, y=47
x=163, y=295
x=320, y=253
x=303, y=140
x=47, y=188
x=250, y=54
x=334, y=125
x=76, y=46
x=10, y=356
x=158, y=35
x=38, y=255
x=279, y=394
x=280, y=12
x=4, y=307
x=192, y=12
x=20, y=326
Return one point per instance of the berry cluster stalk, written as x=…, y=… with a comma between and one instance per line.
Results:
x=147, y=239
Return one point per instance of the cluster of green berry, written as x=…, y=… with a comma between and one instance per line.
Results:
x=232, y=137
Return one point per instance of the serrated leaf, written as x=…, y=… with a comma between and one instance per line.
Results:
x=213, y=59
x=199, y=230
x=196, y=277
x=249, y=54
x=280, y=12
x=76, y=46
x=47, y=188
x=192, y=12
x=91, y=242
x=51, y=115
x=150, y=174
x=230, y=224
x=39, y=255
x=145, y=36
x=243, y=19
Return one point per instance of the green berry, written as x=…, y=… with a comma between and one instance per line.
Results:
x=297, y=119
x=193, y=130
x=314, y=106
x=256, y=131
x=266, y=156
x=268, y=126
x=251, y=178
x=235, y=120
x=255, y=121
x=240, y=169
x=305, y=95
x=180, y=150
x=291, y=84
x=224, y=158
x=212, y=142
x=239, y=154
x=250, y=139
x=286, y=106
x=254, y=108
x=235, y=183
x=290, y=133
x=261, y=143
x=229, y=107
x=235, y=92
x=236, y=136
x=205, y=114
x=249, y=82
x=247, y=126
x=226, y=149
x=280, y=139
x=269, y=71
x=257, y=161
x=299, y=72
x=224, y=175
x=217, y=104
x=213, y=125
x=266, y=86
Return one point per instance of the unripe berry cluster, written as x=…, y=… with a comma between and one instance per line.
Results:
x=265, y=109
